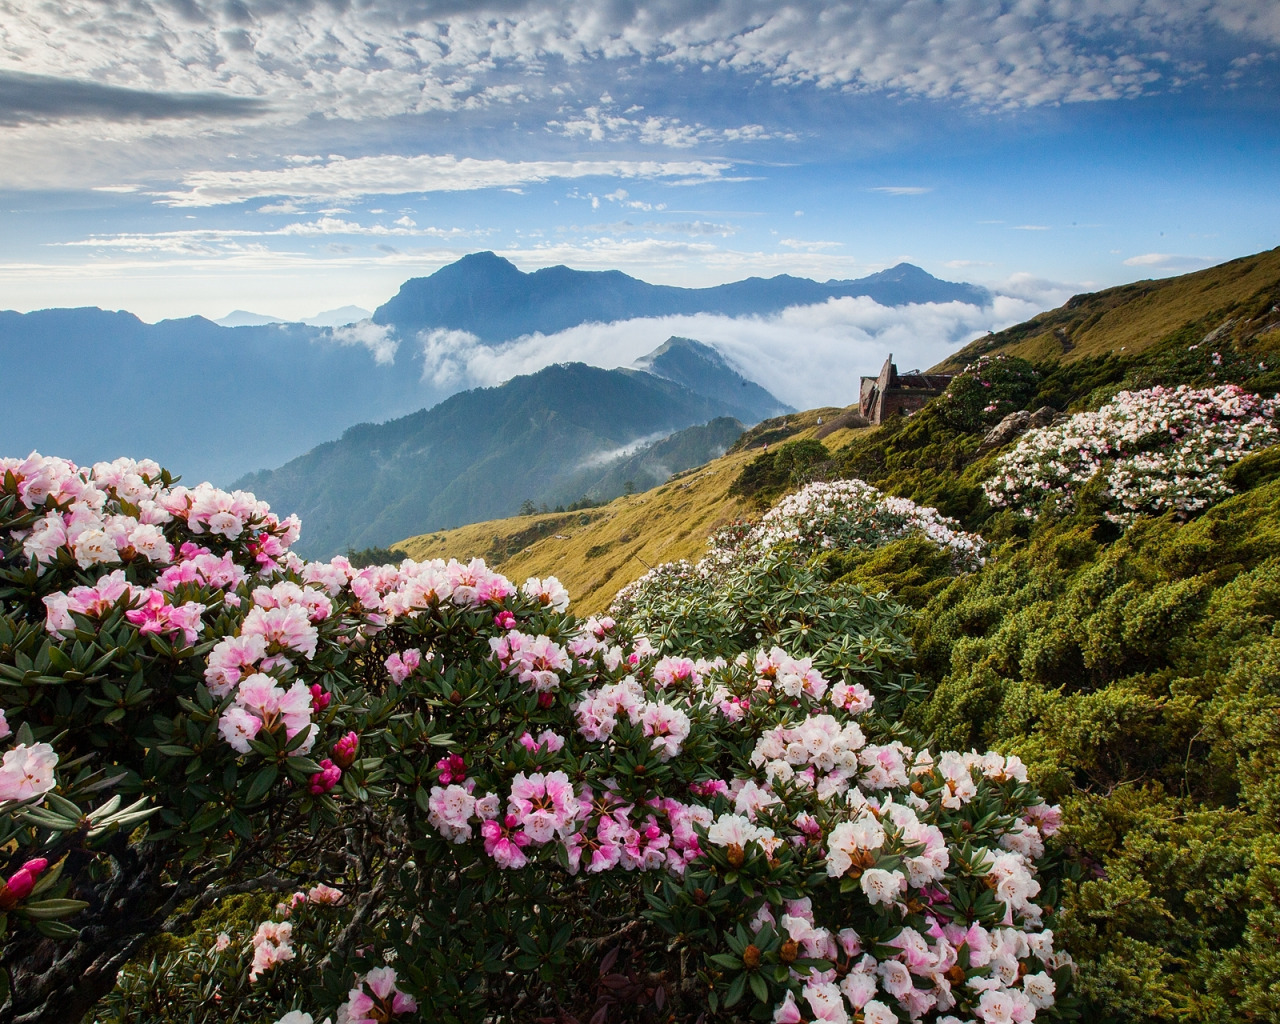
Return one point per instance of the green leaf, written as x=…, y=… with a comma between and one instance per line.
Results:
x=262, y=782
x=736, y=991
x=42, y=910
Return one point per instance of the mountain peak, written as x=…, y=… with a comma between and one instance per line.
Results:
x=703, y=370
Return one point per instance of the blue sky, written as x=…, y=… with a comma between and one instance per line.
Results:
x=174, y=157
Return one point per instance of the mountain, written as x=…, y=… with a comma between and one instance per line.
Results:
x=488, y=296
x=705, y=371
x=243, y=318
x=476, y=455
x=651, y=464
x=206, y=401
x=213, y=402
x=339, y=317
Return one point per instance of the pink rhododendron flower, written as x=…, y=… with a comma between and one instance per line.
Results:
x=375, y=999
x=550, y=593
x=21, y=883
x=324, y=895
x=403, y=664
x=272, y=944
x=543, y=805
x=452, y=769
x=504, y=842
x=27, y=771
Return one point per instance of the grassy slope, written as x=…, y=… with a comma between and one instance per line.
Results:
x=1135, y=316
x=597, y=551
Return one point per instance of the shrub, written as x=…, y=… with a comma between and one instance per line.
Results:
x=488, y=807
x=986, y=391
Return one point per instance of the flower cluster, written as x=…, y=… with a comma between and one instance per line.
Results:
x=707, y=790
x=1160, y=450
x=852, y=513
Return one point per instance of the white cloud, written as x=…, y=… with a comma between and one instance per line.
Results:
x=602, y=124
x=384, y=58
x=901, y=190
x=845, y=337
x=804, y=246
x=1031, y=227
x=213, y=241
x=379, y=340
x=339, y=178
x=1170, y=262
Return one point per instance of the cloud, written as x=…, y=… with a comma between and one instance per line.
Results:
x=1031, y=227
x=901, y=190
x=379, y=59
x=339, y=178
x=803, y=246
x=600, y=123
x=26, y=98
x=216, y=240
x=846, y=337
x=1168, y=262
x=379, y=340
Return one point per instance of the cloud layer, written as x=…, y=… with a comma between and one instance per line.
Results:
x=341, y=179
x=846, y=338
x=383, y=58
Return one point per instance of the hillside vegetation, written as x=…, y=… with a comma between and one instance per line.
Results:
x=1120, y=637
x=594, y=552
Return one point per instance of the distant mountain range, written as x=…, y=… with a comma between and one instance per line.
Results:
x=339, y=317
x=566, y=432
x=214, y=402
x=491, y=298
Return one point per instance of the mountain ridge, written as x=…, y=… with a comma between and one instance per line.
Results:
x=489, y=297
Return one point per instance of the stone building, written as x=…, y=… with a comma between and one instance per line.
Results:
x=892, y=392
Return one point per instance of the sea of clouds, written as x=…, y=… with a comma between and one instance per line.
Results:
x=807, y=356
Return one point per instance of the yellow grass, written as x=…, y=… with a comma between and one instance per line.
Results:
x=596, y=552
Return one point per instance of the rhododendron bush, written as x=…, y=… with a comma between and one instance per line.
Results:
x=1158, y=450
x=452, y=800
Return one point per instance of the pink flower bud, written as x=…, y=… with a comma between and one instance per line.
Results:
x=21, y=882
x=504, y=620
x=344, y=751
x=325, y=779
x=319, y=699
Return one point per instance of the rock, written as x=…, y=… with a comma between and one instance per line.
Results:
x=1015, y=424
x=1006, y=430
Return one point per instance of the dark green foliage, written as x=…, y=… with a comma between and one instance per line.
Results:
x=913, y=569
x=986, y=391
x=1137, y=676
x=366, y=557
x=790, y=465
x=850, y=633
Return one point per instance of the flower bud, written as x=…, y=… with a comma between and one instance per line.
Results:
x=789, y=951
x=344, y=750
x=735, y=855
x=751, y=956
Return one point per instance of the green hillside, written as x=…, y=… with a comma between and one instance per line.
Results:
x=1238, y=298
x=1131, y=660
x=596, y=551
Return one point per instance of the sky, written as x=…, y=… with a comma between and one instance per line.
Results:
x=179, y=157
